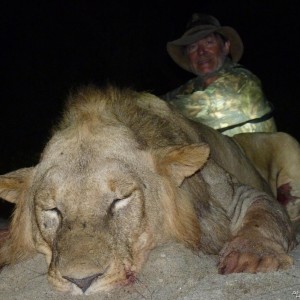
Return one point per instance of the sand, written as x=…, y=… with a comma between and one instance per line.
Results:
x=171, y=272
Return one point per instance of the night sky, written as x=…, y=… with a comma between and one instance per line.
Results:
x=49, y=47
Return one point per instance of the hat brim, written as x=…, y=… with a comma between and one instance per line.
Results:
x=176, y=48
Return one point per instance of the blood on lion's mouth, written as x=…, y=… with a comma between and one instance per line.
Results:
x=130, y=277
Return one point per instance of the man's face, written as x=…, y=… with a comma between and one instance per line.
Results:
x=208, y=54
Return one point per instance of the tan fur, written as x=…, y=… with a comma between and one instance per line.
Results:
x=277, y=157
x=19, y=245
x=124, y=173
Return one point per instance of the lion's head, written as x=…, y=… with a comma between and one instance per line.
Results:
x=105, y=192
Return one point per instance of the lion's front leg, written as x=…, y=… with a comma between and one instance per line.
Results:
x=262, y=234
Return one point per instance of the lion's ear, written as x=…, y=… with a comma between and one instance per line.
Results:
x=13, y=184
x=180, y=162
x=19, y=243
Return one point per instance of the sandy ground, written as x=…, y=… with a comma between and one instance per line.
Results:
x=172, y=272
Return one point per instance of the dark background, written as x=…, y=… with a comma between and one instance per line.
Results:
x=49, y=47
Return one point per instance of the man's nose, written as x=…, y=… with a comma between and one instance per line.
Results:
x=201, y=50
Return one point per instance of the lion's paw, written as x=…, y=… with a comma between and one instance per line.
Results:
x=244, y=255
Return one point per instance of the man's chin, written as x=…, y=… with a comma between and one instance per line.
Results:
x=203, y=72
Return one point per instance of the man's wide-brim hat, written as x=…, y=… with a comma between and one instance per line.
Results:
x=199, y=27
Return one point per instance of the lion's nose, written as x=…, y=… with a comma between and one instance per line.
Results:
x=83, y=283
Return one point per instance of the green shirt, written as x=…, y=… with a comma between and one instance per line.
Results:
x=232, y=100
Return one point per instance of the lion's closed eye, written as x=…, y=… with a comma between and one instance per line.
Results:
x=50, y=219
x=120, y=202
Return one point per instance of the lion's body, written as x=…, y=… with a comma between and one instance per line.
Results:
x=277, y=158
x=124, y=173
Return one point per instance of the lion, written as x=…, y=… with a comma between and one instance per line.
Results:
x=124, y=173
x=277, y=158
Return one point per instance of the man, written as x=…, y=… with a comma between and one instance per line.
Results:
x=224, y=95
